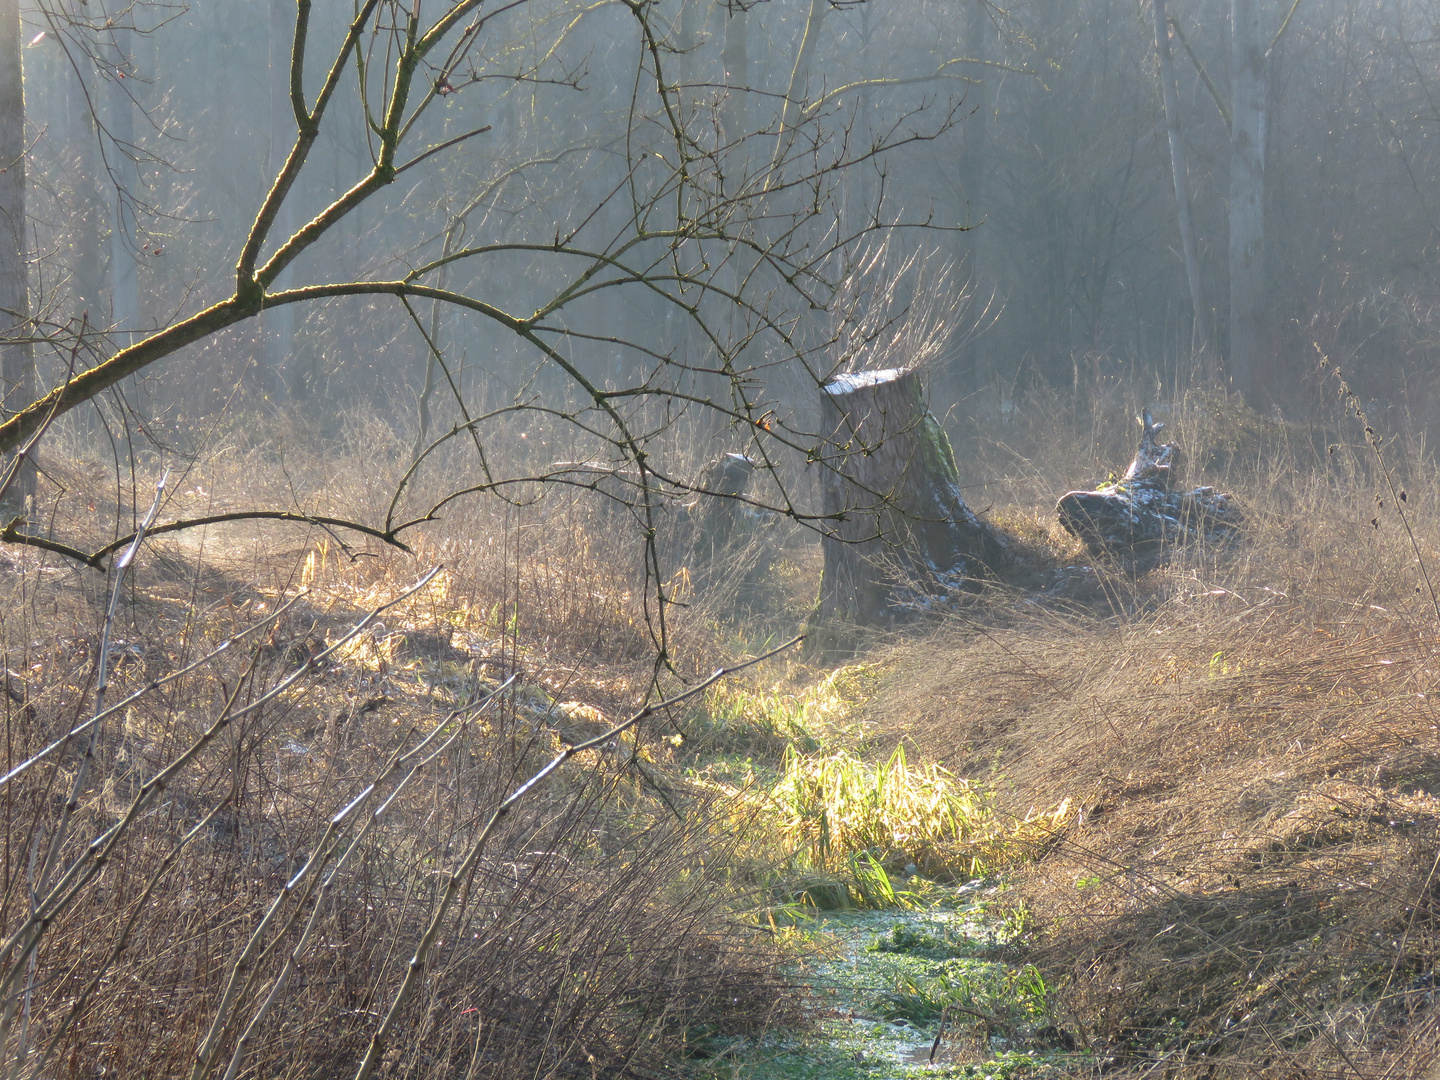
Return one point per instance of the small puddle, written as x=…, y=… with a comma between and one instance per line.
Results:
x=887, y=984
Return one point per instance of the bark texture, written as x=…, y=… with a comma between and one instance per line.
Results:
x=900, y=530
x=1141, y=514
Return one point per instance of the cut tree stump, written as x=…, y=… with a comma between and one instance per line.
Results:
x=899, y=531
x=1142, y=514
x=732, y=544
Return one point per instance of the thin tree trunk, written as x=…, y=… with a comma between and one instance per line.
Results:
x=87, y=264
x=278, y=326
x=124, y=283
x=1200, y=335
x=1247, y=198
x=735, y=122
x=799, y=77
x=972, y=172
x=17, y=357
x=734, y=114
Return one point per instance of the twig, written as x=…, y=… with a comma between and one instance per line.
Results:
x=380, y=1039
x=123, y=939
x=260, y=515
x=329, y=843
x=96, y=559
x=149, y=688
x=20, y=945
x=82, y=774
x=13, y=535
x=101, y=684
x=17, y=463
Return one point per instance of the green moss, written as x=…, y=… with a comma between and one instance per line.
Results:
x=878, y=1009
x=939, y=454
x=906, y=938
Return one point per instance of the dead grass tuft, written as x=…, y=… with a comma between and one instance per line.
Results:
x=1254, y=850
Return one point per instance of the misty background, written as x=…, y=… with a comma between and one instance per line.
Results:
x=1027, y=160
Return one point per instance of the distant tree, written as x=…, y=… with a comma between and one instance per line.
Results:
x=1249, y=82
x=17, y=360
x=279, y=374
x=122, y=77
x=1165, y=65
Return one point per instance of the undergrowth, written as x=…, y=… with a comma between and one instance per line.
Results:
x=1210, y=780
x=1248, y=741
x=833, y=806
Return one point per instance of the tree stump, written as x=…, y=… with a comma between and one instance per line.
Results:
x=732, y=545
x=1140, y=514
x=900, y=532
x=724, y=520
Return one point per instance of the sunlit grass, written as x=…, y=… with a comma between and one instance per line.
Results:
x=840, y=828
x=832, y=806
x=764, y=724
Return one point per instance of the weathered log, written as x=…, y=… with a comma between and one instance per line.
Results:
x=899, y=529
x=1141, y=513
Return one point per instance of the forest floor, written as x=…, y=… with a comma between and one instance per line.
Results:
x=1178, y=820
x=1219, y=774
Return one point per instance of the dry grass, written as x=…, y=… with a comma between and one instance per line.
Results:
x=1245, y=880
x=596, y=934
x=1250, y=742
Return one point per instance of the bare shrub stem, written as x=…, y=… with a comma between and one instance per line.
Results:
x=18, y=950
x=381, y=1038
x=1397, y=497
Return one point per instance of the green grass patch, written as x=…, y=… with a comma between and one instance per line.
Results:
x=906, y=938
x=879, y=999
x=760, y=725
x=998, y=998
x=832, y=807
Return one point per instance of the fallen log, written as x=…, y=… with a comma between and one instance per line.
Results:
x=1141, y=513
x=898, y=527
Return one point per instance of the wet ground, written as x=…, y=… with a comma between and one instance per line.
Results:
x=932, y=991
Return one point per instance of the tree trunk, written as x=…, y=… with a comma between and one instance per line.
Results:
x=124, y=282
x=1200, y=336
x=17, y=357
x=901, y=530
x=87, y=263
x=278, y=326
x=799, y=79
x=972, y=173
x=735, y=109
x=1247, y=198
